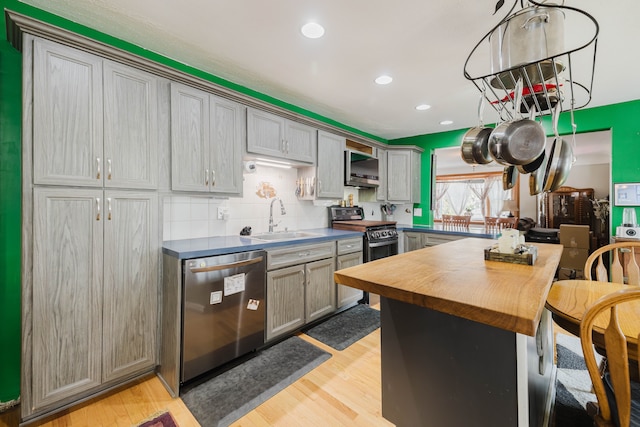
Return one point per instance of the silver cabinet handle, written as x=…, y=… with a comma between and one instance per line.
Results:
x=213, y=178
x=284, y=146
x=287, y=145
x=109, y=208
x=97, y=208
x=109, y=169
x=206, y=177
x=98, y=162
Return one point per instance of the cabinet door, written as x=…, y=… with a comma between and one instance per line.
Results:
x=320, y=289
x=346, y=294
x=66, y=294
x=416, y=167
x=399, y=175
x=300, y=142
x=330, y=181
x=227, y=123
x=412, y=241
x=130, y=127
x=381, y=192
x=67, y=116
x=285, y=300
x=131, y=267
x=265, y=133
x=189, y=139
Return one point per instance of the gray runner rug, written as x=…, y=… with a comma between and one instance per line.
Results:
x=573, y=387
x=227, y=397
x=342, y=330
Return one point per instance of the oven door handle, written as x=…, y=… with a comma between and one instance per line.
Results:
x=384, y=243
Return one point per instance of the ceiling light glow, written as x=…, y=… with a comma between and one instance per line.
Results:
x=423, y=107
x=312, y=30
x=446, y=122
x=384, y=80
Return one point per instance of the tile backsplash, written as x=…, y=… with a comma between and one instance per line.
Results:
x=187, y=217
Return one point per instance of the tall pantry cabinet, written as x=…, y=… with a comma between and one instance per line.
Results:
x=91, y=257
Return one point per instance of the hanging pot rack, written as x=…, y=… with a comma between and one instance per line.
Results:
x=548, y=80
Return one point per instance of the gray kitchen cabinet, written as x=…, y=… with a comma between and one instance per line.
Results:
x=206, y=142
x=320, y=289
x=330, y=168
x=94, y=293
x=403, y=176
x=95, y=121
x=285, y=300
x=349, y=255
x=414, y=240
x=130, y=127
x=300, y=286
x=381, y=191
x=275, y=136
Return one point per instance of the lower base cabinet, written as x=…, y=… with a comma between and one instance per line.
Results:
x=414, y=240
x=300, y=286
x=349, y=255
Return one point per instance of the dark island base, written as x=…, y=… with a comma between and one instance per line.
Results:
x=439, y=369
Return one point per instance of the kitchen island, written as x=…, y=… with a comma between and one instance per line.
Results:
x=464, y=341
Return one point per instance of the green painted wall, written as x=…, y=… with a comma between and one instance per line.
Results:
x=623, y=119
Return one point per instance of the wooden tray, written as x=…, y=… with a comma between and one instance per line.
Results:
x=526, y=258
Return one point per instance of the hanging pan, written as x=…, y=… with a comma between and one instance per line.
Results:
x=475, y=142
x=509, y=177
x=560, y=158
x=517, y=141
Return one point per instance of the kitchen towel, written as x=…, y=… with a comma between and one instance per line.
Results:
x=573, y=386
x=343, y=329
x=227, y=397
x=160, y=420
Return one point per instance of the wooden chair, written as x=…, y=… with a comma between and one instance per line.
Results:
x=491, y=224
x=508, y=222
x=618, y=396
x=456, y=222
x=622, y=258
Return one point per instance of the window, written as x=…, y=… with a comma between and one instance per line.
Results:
x=475, y=194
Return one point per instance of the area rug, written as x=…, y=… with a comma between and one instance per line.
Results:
x=342, y=330
x=573, y=387
x=162, y=420
x=227, y=397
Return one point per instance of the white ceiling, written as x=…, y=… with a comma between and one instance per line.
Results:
x=422, y=44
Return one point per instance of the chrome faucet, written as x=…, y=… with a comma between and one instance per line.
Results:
x=282, y=211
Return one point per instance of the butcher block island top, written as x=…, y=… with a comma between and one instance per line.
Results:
x=454, y=278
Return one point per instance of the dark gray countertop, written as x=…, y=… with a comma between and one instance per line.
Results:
x=478, y=231
x=220, y=245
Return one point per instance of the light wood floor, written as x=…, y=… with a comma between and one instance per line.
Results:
x=343, y=391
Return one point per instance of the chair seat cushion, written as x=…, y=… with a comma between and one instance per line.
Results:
x=635, y=401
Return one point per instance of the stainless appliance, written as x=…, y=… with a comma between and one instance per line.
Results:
x=380, y=237
x=223, y=310
x=361, y=169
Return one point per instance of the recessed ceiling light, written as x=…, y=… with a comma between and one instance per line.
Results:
x=423, y=107
x=312, y=30
x=446, y=122
x=384, y=80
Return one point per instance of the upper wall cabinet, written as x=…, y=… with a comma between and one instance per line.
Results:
x=275, y=136
x=330, y=172
x=95, y=121
x=206, y=142
x=403, y=176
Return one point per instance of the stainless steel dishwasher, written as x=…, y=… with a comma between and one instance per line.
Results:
x=223, y=310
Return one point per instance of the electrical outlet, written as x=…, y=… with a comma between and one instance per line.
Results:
x=417, y=211
x=222, y=212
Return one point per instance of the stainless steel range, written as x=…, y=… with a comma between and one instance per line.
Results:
x=380, y=237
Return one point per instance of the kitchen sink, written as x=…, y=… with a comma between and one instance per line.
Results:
x=284, y=235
